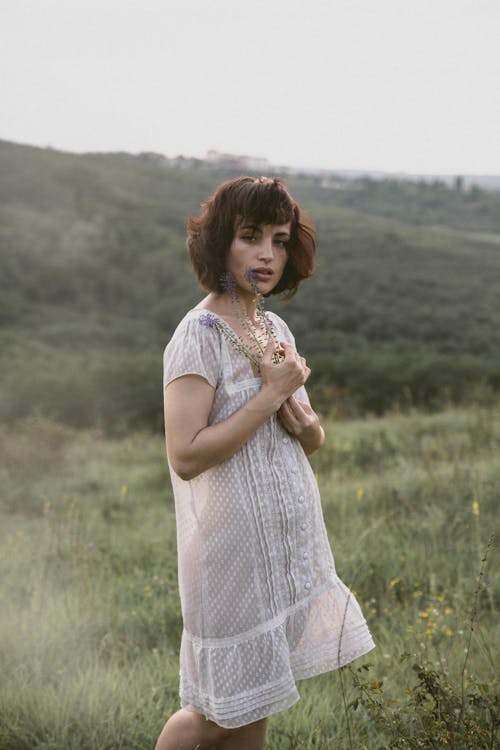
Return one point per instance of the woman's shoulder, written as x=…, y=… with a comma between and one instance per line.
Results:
x=194, y=349
x=193, y=319
x=192, y=327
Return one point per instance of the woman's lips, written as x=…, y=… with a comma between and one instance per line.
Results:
x=262, y=274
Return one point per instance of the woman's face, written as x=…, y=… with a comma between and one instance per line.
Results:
x=261, y=249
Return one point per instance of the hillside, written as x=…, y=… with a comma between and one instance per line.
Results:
x=94, y=278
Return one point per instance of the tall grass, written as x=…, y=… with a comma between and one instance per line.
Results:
x=90, y=620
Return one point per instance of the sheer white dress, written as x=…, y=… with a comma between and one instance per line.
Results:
x=261, y=602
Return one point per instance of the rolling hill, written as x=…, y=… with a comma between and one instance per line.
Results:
x=404, y=308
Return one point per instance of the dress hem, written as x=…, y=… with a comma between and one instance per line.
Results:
x=277, y=696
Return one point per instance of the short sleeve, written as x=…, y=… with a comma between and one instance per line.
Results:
x=194, y=349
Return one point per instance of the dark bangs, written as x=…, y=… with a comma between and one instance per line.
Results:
x=262, y=201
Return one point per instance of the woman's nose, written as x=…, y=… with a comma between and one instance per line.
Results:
x=266, y=249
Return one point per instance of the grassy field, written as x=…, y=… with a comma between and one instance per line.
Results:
x=90, y=619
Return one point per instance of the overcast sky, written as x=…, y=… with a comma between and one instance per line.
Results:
x=396, y=85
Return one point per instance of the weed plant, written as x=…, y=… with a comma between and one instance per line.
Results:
x=90, y=619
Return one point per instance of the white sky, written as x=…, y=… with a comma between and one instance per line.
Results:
x=396, y=85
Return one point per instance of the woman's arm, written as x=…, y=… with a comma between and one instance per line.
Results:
x=299, y=419
x=193, y=445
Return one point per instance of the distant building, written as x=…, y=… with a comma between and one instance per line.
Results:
x=240, y=161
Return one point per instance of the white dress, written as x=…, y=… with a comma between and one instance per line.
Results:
x=261, y=602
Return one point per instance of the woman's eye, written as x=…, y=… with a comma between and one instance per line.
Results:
x=248, y=237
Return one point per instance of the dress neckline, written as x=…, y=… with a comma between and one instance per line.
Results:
x=207, y=310
x=224, y=321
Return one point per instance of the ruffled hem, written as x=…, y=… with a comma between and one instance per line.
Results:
x=247, y=680
x=245, y=708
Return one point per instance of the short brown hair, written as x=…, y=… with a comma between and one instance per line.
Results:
x=264, y=201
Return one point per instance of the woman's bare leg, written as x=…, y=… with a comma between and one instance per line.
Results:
x=186, y=730
x=250, y=737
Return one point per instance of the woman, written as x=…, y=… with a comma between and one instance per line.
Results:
x=261, y=602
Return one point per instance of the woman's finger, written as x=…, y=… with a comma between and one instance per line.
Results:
x=288, y=414
x=288, y=350
x=267, y=357
x=292, y=404
x=286, y=410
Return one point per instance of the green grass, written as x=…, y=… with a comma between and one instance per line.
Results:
x=90, y=623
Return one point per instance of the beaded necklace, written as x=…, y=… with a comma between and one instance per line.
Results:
x=258, y=336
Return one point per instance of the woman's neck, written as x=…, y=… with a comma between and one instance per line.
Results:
x=226, y=307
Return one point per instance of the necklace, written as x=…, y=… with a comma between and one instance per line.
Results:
x=258, y=336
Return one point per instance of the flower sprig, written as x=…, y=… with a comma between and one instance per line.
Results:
x=263, y=316
x=255, y=351
x=229, y=285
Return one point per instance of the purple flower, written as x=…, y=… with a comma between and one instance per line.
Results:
x=209, y=320
x=228, y=283
x=251, y=277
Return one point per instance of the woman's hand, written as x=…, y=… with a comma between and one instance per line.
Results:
x=302, y=422
x=285, y=377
